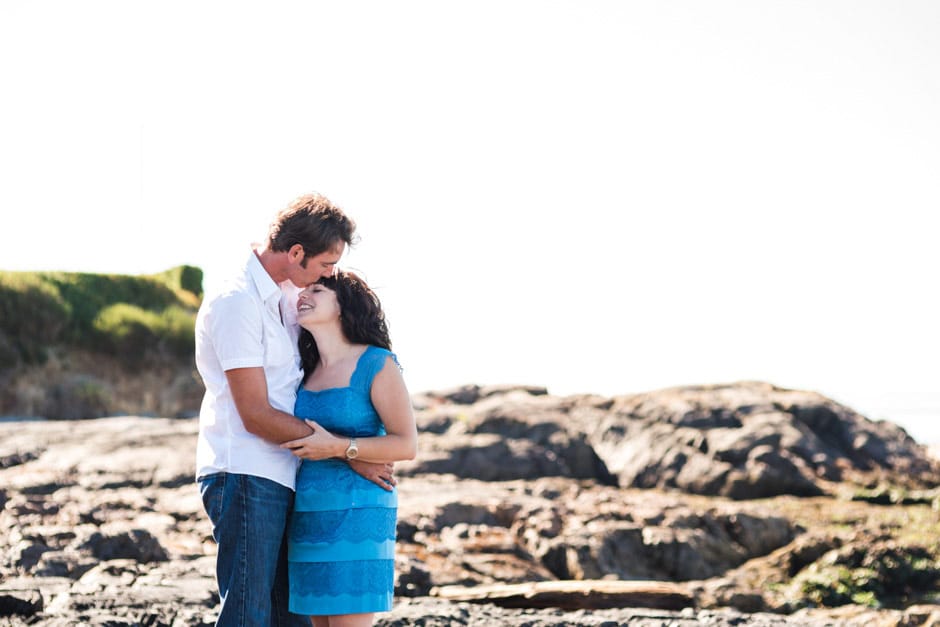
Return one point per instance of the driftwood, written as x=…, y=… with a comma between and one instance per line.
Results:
x=573, y=595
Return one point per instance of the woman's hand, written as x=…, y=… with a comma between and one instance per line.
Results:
x=321, y=444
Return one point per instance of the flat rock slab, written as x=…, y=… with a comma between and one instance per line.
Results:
x=574, y=595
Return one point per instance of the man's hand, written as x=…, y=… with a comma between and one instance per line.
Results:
x=379, y=474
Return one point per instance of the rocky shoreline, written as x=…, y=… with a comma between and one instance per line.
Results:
x=713, y=505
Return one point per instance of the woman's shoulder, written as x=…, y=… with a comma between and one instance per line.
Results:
x=376, y=357
x=378, y=350
x=383, y=353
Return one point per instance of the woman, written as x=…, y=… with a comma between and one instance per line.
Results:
x=342, y=534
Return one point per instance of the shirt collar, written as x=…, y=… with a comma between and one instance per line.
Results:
x=265, y=285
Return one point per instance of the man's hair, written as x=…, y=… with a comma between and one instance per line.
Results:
x=361, y=317
x=313, y=222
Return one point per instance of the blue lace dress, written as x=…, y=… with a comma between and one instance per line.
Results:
x=341, y=542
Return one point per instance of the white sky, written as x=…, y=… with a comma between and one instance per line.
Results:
x=601, y=197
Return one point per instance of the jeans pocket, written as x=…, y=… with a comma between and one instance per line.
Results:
x=212, y=490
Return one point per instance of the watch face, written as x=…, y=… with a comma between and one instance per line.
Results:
x=352, y=451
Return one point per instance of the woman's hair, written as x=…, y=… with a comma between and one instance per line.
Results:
x=361, y=317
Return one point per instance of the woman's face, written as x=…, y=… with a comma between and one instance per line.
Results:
x=317, y=304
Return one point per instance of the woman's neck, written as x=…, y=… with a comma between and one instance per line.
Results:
x=331, y=344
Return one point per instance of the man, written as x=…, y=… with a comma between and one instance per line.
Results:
x=246, y=354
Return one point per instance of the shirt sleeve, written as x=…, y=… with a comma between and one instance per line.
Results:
x=237, y=332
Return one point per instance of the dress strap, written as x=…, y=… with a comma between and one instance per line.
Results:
x=370, y=364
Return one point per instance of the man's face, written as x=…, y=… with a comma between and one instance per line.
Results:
x=305, y=271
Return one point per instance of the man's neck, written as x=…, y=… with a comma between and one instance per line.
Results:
x=273, y=263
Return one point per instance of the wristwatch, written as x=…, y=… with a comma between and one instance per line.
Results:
x=352, y=451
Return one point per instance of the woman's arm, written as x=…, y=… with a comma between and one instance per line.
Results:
x=393, y=404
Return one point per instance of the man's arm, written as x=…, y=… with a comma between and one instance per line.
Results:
x=250, y=393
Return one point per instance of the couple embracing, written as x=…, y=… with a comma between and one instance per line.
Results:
x=304, y=413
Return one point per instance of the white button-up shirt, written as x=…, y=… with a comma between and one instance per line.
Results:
x=241, y=326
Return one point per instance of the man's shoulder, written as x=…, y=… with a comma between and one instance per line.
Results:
x=237, y=293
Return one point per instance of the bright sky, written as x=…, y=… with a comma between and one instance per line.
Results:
x=603, y=197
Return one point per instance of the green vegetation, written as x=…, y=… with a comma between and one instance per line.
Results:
x=130, y=317
x=857, y=552
x=836, y=585
x=185, y=281
x=33, y=316
x=126, y=330
x=881, y=575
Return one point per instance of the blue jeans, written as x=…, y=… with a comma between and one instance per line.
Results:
x=249, y=518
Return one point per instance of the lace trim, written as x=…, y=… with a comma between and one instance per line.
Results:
x=338, y=578
x=373, y=523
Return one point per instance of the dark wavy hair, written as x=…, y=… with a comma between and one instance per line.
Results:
x=361, y=317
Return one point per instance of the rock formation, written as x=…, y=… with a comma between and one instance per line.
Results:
x=745, y=440
x=719, y=505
